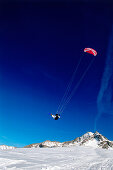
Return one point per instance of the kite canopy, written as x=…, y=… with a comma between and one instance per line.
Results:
x=91, y=51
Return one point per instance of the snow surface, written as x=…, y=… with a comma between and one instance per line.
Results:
x=92, y=143
x=6, y=147
x=51, y=143
x=60, y=158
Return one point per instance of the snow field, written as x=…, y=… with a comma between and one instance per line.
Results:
x=60, y=158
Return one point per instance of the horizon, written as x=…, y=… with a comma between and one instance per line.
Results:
x=41, y=45
x=62, y=141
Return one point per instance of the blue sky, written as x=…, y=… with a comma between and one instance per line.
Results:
x=40, y=46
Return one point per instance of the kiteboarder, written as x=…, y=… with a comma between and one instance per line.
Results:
x=56, y=117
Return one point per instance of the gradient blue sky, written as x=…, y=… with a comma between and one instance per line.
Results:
x=40, y=44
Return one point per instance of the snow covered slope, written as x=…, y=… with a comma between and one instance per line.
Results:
x=58, y=158
x=96, y=140
x=92, y=140
x=88, y=139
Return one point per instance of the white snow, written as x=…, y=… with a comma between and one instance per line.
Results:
x=3, y=147
x=59, y=158
x=51, y=143
x=87, y=135
x=92, y=143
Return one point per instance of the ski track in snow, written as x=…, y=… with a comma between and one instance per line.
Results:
x=62, y=158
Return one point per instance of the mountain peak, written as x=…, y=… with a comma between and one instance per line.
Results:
x=87, y=135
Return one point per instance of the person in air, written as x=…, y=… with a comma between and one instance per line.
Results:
x=56, y=117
